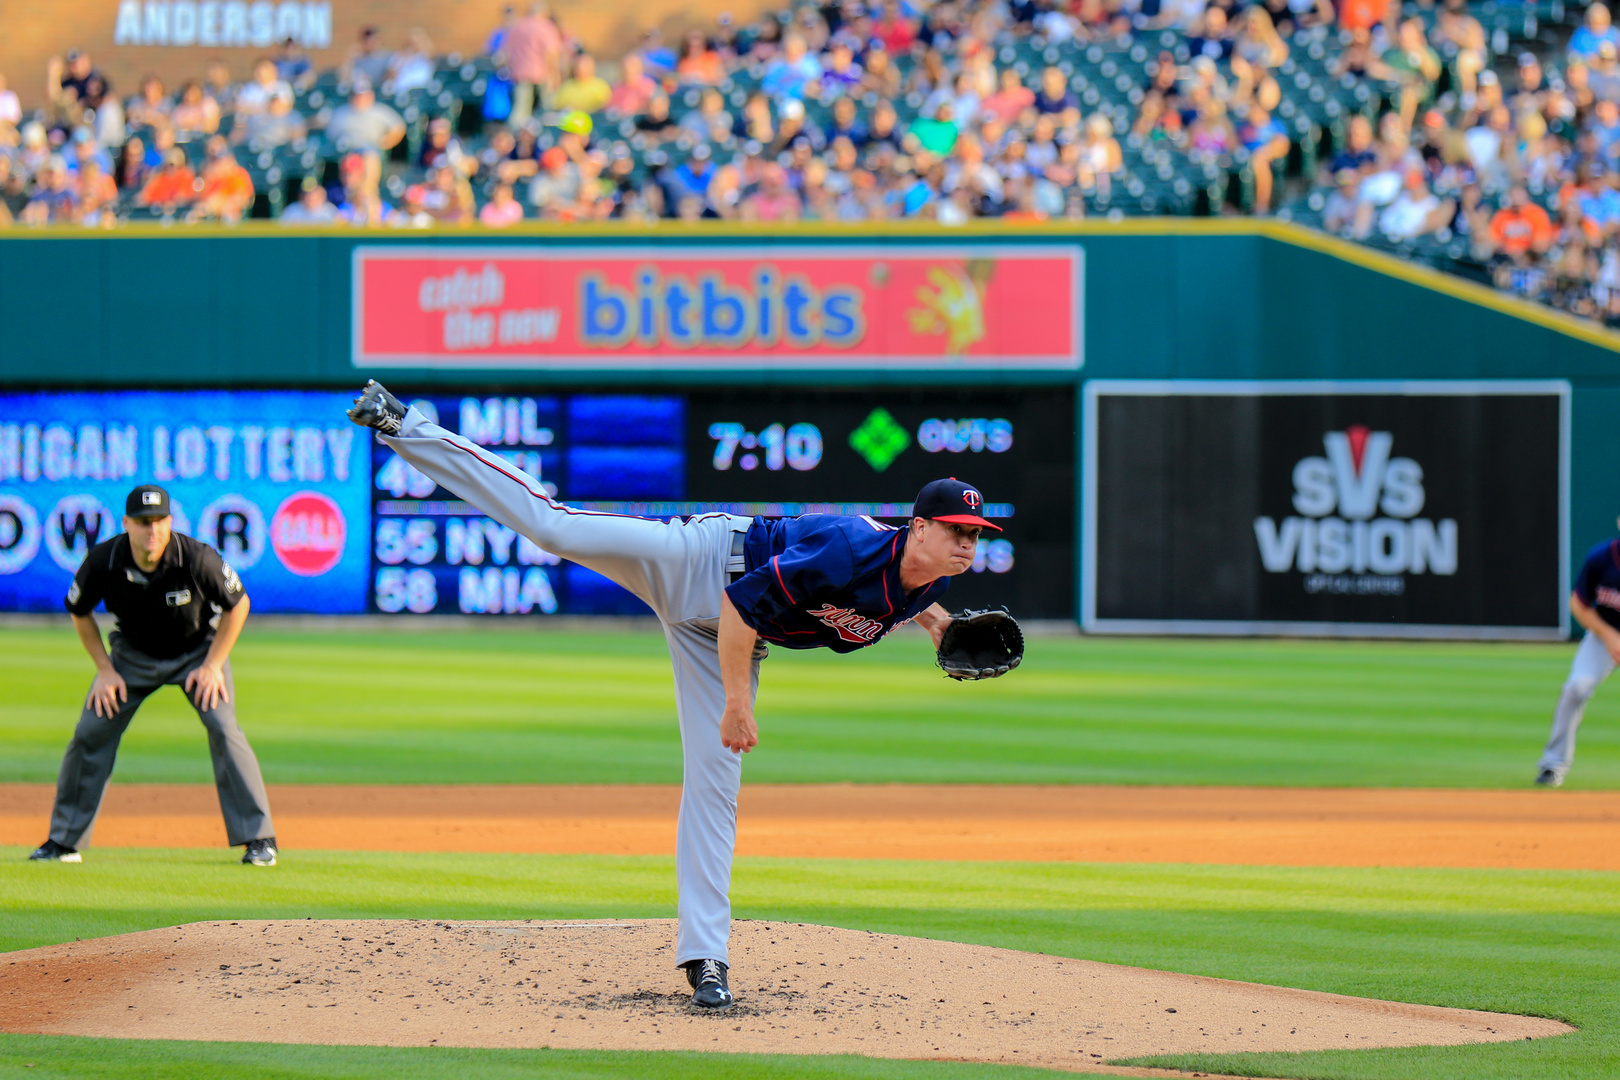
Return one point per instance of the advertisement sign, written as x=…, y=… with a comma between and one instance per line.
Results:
x=275, y=480
x=1365, y=509
x=665, y=456
x=776, y=309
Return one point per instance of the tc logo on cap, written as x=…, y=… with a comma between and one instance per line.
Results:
x=151, y=498
x=973, y=499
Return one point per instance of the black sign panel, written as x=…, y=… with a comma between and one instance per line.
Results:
x=869, y=452
x=1360, y=509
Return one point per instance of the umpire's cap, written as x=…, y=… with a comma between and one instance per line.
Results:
x=147, y=501
x=951, y=500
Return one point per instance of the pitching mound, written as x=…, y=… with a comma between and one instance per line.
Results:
x=800, y=989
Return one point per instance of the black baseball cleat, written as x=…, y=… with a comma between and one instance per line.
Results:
x=377, y=408
x=709, y=988
x=1549, y=778
x=260, y=852
x=51, y=851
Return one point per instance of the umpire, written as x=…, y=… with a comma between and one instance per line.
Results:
x=179, y=608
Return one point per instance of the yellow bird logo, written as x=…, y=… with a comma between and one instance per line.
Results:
x=954, y=305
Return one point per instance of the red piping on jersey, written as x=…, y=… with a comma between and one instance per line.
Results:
x=894, y=547
x=775, y=565
x=1614, y=553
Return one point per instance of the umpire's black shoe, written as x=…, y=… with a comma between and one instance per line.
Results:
x=709, y=988
x=260, y=852
x=51, y=851
x=377, y=408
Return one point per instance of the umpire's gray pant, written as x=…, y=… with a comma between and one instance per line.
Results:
x=90, y=756
x=679, y=569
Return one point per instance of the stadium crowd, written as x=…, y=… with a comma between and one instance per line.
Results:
x=1443, y=130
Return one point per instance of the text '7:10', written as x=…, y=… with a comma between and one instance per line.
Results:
x=797, y=447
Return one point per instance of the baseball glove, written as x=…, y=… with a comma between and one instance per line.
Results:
x=981, y=645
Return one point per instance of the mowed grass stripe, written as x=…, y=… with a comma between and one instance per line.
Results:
x=1541, y=943
x=479, y=706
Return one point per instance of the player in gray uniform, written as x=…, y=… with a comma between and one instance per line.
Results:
x=681, y=569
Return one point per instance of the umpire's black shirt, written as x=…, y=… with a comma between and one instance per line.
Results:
x=164, y=614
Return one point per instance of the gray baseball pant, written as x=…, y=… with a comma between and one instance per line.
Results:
x=90, y=755
x=1592, y=665
x=679, y=569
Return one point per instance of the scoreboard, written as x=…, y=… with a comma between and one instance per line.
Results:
x=749, y=453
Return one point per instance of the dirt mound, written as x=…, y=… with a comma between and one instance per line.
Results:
x=801, y=989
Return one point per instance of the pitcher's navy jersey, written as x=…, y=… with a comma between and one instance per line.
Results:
x=826, y=580
x=1598, y=584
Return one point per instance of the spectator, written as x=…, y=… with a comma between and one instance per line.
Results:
x=196, y=115
x=699, y=64
x=217, y=84
x=1258, y=47
x=794, y=73
x=709, y=121
x=227, y=189
x=692, y=178
x=171, y=186
x=585, y=90
x=131, y=170
x=10, y=107
x=13, y=195
x=412, y=213
x=773, y=200
x=1413, y=65
x=1342, y=210
x=1461, y=31
x=756, y=123
x=54, y=201
x=1416, y=211
x=150, y=107
x=449, y=197
x=879, y=76
x=97, y=195
x=441, y=148
x=412, y=67
x=255, y=95
x=1011, y=98
x=74, y=74
x=533, y=51
x=842, y=75
x=367, y=60
x=1603, y=75
x=555, y=189
x=894, y=30
x=502, y=210
x=1597, y=29
x=635, y=90
x=365, y=123
x=1056, y=99
x=277, y=126
x=1521, y=227
x=313, y=208
x=655, y=123
x=935, y=134
x=1214, y=37
x=1364, y=14
x=293, y=66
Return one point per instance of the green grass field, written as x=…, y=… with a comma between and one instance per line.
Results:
x=499, y=706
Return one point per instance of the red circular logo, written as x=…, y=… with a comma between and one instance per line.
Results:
x=307, y=533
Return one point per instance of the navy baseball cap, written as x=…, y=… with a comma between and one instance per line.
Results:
x=951, y=500
x=147, y=501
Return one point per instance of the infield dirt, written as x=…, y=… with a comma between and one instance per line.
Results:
x=1530, y=829
x=801, y=989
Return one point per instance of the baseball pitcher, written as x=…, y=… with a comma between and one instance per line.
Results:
x=722, y=586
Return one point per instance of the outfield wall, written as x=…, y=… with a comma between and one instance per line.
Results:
x=877, y=327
